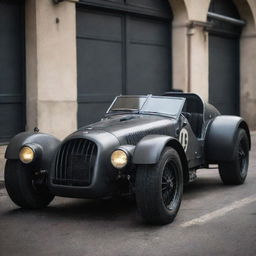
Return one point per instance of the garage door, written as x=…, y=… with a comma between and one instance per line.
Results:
x=122, y=49
x=224, y=64
x=12, y=118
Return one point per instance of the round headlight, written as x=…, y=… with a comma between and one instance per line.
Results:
x=119, y=159
x=27, y=155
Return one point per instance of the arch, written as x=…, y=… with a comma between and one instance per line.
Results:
x=247, y=12
x=185, y=61
x=227, y=8
x=197, y=10
x=180, y=11
x=245, y=9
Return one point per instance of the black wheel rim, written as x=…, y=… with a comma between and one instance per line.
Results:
x=243, y=159
x=170, y=185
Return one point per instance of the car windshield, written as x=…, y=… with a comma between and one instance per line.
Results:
x=127, y=103
x=170, y=106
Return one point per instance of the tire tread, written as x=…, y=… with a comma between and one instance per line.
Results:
x=148, y=196
x=19, y=187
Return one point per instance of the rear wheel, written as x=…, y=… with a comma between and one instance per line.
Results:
x=235, y=172
x=24, y=187
x=159, y=188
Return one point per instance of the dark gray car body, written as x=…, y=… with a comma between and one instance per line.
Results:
x=80, y=165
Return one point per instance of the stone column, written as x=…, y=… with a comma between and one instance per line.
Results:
x=51, y=66
x=190, y=59
x=248, y=79
x=198, y=61
x=179, y=57
x=247, y=10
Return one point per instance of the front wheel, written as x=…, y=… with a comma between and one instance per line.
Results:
x=23, y=186
x=159, y=188
x=235, y=172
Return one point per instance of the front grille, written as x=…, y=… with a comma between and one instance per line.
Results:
x=75, y=163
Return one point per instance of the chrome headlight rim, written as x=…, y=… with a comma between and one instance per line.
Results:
x=119, y=163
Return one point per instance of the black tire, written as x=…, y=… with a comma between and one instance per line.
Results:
x=21, y=187
x=235, y=172
x=159, y=188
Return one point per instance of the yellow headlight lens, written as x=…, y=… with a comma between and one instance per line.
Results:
x=26, y=155
x=119, y=159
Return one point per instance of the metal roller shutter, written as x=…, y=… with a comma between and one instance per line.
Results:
x=12, y=66
x=224, y=63
x=123, y=48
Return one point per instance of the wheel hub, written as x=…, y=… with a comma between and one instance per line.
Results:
x=169, y=184
x=242, y=156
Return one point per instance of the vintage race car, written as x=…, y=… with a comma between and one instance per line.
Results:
x=149, y=146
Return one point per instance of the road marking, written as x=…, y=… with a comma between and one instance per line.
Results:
x=220, y=212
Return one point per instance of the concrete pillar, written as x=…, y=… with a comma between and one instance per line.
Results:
x=198, y=61
x=179, y=45
x=190, y=59
x=190, y=47
x=247, y=10
x=2, y=162
x=179, y=57
x=248, y=79
x=51, y=66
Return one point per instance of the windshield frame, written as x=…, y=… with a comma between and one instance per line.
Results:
x=140, y=111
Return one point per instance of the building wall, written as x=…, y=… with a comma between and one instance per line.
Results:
x=51, y=59
x=51, y=72
x=190, y=52
x=2, y=161
x=51, y=66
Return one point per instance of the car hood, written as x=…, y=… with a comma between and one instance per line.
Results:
x=129, y=129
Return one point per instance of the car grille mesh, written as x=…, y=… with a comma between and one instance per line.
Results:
x=75, y=163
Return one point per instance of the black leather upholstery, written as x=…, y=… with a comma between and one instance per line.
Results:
x=196, y=121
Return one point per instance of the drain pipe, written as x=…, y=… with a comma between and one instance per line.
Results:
x=59, y=1
x=190, y=33
x=226, y=19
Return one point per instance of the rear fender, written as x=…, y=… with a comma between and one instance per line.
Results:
x=221, y=138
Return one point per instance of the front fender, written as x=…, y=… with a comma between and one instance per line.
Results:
x=221, y=137
x=149, y=149
x=47, y=143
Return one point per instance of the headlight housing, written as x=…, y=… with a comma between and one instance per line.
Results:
x=27, y=155
x=119, y=159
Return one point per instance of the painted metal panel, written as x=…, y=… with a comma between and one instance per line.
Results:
x=224, y=61
x=12, y=66
x=224, y=74
x=148, y=56
x=99, y=62
x=157, y=8
x=119, y=53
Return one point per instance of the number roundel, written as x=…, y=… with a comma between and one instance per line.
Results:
x=183, y=139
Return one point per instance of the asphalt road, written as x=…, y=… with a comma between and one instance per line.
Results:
x=213, y=220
